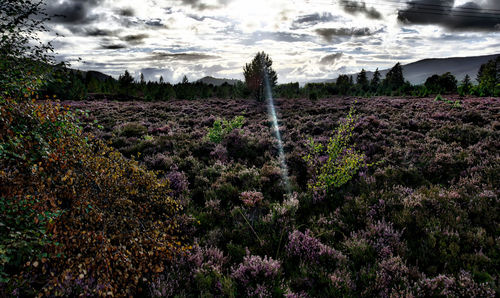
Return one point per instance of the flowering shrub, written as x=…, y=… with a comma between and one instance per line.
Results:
x=462, y=286
x=257, y=276
x=400, y=228
x=309, y=249
x=251, y=198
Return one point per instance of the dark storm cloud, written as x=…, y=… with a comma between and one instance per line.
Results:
x=179, y=56
x=355, y=7
x=113, y=46
x=467, y=17
x=134, y=39
x=125, y=12
x=98, y=32
x=330, y=33
x=330, y=59
x=309, y=20
x=73, y=12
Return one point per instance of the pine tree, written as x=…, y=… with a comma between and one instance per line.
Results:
x=362, y=80
x=394, y=78
x=466, y=82
x=126, y=79
x=255, y=73
x=375, y=80
x=488, y=77
x=125, y=83
x=343, y=84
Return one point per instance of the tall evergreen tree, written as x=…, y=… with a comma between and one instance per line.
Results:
x=362, y=80
x=343, y=84
x=488, y=77
x=125, y=82
x=255, y=73
x=394, y=78
x=375, y=82
x=465, y=86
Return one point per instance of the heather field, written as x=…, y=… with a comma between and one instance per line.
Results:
x=419, y=218
x=231, y=148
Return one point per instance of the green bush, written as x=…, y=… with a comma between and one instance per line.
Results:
x=222, y=127
x=133, y=130
x=336, y=163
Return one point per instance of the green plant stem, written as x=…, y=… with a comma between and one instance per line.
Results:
x=244, y=217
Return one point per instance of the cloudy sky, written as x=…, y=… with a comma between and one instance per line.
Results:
x=307, y=40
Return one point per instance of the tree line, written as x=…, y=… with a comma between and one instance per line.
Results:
x=394, y=84
x=78, y=85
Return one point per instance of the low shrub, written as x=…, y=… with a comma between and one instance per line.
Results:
x=336, y=163
x=133, y=129
x=82, y=219
x=222, y=127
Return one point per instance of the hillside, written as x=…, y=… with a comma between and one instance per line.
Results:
x=217, y=82
x=417, y=72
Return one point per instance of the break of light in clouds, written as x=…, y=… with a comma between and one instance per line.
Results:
x=307, y=40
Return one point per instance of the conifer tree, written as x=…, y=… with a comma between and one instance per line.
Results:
x=255, y=73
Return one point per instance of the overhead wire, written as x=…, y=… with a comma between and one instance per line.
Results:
x=480, y=13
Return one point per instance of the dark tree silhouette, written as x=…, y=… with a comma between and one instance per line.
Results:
x=488, y=78
x=362, y=80
x=465, y=86
x=125, y=82
x=394, y=78
x=255, y=73
x=375, y=82
x=126, y=79
x=344, y=84
x=445, y=83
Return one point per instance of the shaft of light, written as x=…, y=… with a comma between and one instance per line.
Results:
x=272, y=114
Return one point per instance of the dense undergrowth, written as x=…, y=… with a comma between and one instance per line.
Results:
x=76, y=216
x=422, y=220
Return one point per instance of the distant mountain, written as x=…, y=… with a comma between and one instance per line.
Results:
x=97, y=75
x=217, y=82
x=418, y=72
x=92, y=74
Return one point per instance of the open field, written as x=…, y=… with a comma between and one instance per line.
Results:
x=423, y=219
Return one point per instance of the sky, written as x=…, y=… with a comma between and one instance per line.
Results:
x=307, y=40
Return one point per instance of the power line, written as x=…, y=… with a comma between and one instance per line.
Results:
x=447, y=6
x=415, y=4
x=410, y=3
x=471, y=14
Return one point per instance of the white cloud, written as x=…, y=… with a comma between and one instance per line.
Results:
x=231, y=32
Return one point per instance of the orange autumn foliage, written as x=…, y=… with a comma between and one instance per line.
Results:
x=112, y=224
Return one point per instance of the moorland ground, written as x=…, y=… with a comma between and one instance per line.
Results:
x=422, y=218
